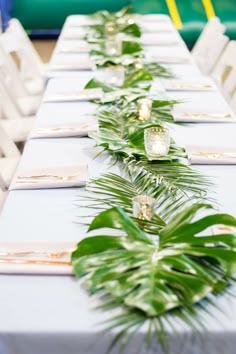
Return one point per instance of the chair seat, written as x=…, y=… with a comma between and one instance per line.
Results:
x=29, y=105
x=8, y=167
x=18, y=129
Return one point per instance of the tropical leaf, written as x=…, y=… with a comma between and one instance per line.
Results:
x=155, y=278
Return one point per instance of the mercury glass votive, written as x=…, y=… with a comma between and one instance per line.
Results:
x=115, y=75
x=138, y=64
x=157, y=142
x=144, y=109
x=110, y=29
x=113, y=46
x=143, y=207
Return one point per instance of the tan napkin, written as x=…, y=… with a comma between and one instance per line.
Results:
x=36, y=257
x=209, y=155
x=171, y=60
x=154, y=27
x=196, y=116
x=74, y=33
x=158, y=42
x=50, y=177
x=77, y=96
x=181, y=85
x=82, y=48
x=81, y=128
x=77, y=66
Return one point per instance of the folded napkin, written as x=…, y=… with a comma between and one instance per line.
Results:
x=159, y=42
x=74, y=33
x=171, y=59
x=182, y=85
x=223, y=229
x=36, y=258
x=84, y=95
x=87, y=64
x=196, y=116
x=154, y=27
x=76, y=48
x=50, y=177
x=81, y=128
x=82, y=21
x=209, y=155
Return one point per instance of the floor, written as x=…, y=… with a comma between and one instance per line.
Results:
x=45, y=48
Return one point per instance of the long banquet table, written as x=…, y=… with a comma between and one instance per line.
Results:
x=52, y=314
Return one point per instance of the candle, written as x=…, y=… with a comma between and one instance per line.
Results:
x=115, y=75
x=110, y=29
x=157, y=142
x=143, y=207
x=113, y=46
x=144, y=109
x=138, y=64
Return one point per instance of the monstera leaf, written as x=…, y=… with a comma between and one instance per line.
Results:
x=178, y=268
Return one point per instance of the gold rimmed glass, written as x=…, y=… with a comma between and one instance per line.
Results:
x=157, y=142
x=144, y=109
x=115, y=75
x=143, y=207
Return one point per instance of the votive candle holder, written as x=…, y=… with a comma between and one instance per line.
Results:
x=157, y=142
x=143, y=207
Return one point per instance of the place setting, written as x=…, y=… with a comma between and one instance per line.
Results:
x=50, y=177
x=83, y=127
x=211, y=155
x=202, y=84
x=38, y=258
x=74, y=96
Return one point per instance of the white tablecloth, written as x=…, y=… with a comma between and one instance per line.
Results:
x=53, y=314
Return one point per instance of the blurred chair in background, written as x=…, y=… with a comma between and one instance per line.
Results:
x=210, y=45
x=9, y=159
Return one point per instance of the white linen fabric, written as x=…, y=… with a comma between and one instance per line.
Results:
x=53, y=314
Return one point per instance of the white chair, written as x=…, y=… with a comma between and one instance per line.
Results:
x=17, y=29
x=10, y=79
x=224, y=72
x=3, y=195
x=233, y=103
x=31, y=70
x=9, y=159
x=16, y=127
x=210, y=45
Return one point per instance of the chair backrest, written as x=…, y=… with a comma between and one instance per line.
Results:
x=233, y=102
x=7, y=146
x=9, y=74
x=31, y=64
x=224, y=72
x=210, y=45
x=8, y=108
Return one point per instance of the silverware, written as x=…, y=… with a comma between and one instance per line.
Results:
x=53, y=254
x=189, y=86
x=206, y=115
x=59, y=129
x=35, y=261
x=214, y=154
x=23, y=179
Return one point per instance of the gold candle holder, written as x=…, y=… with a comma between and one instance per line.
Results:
x=143, y=207
x=157, y=142
x=110, y=29
x=144, y=109
x=115, y=75
x=113, y=46
x=138, y=64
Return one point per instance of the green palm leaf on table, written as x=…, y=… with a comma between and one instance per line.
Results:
x=111, y=190
x=151, y=277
